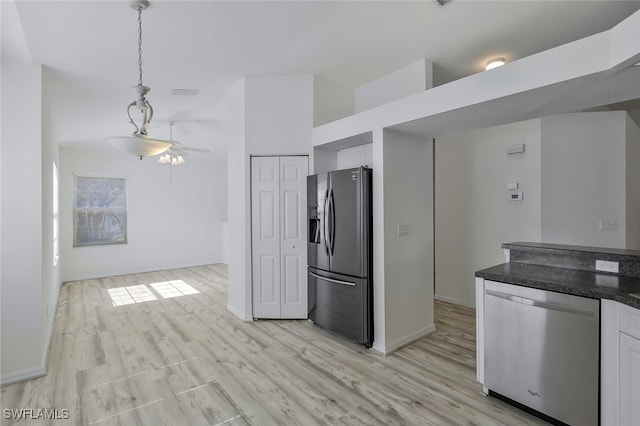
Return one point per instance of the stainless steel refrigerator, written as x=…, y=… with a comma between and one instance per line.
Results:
x=340, y=253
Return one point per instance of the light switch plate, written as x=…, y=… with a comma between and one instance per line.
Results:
x=607, y=225
x=403, y=230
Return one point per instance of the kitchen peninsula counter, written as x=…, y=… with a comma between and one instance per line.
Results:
x=570, y=270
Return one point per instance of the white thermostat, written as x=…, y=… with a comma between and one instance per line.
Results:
x=515, y=196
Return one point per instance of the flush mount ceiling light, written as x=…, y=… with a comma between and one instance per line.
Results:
x=140, y=143
x=494, y=63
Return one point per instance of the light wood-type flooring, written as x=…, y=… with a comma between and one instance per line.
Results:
x=183, y=359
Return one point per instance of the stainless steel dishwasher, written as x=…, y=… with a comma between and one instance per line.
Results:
x=542, y=351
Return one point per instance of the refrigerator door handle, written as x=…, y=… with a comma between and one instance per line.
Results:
x=332, y=280
x=332, y=229
x=324, y=220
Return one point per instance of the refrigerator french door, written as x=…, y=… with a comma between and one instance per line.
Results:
x=339, y=253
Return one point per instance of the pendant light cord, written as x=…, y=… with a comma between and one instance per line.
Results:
x=139, y=46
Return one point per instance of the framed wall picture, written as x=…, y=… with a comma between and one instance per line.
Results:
x=99, y=210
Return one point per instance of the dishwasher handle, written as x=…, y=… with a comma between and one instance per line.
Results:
x=541, y=304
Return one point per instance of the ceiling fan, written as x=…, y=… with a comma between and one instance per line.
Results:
x=174, y=156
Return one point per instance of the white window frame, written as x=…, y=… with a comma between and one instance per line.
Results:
x=56, y=216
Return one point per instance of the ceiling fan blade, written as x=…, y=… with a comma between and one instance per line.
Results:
x=186, y=148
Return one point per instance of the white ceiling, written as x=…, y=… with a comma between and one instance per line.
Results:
x=90, y=50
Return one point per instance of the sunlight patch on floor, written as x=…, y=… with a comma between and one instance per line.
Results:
x=175, y=288
x=129, y=295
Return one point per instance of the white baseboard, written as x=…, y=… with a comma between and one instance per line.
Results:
x=130, y=271
x=455, y=301
x=403, y=341
x=238, y=313
x=30, y=373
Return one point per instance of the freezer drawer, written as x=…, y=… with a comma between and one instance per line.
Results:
x=341, y=304
x=542, y=350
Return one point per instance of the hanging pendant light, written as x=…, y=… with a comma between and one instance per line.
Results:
x=140, y=143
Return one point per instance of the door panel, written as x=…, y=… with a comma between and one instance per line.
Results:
x=293, y=225
x=267, y=280
x=265, y=247
x=291, y=280
x=268, y=227
x=346, y=222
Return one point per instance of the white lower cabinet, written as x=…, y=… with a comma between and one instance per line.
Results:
x=629, y=391
x=620, y=368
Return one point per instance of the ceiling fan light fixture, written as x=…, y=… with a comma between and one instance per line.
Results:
x=140, y=143
x=172, y=156
x=494, y=63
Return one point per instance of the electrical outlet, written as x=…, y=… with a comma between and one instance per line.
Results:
x=606, y=266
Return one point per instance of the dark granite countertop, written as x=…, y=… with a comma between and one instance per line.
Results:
x=569, y=281
x=564, y=247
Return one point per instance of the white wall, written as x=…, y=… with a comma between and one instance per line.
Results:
x=355, y=156
x=583, y=178
x=633, y=183
x=21, y=210
x=408, y=265
x=331, y=101
x=268, y=115
x=238, y=207
x=473, y=215
x=50, y=273
x=414, y=78
x=169, y=225
x=279, y=114
x=379, y=247
x=634, y=114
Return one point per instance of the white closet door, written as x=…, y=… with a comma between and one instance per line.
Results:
x=278, y=234
x=265, y=236
x=293, y=229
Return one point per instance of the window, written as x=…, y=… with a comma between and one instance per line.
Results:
x=55, y=215
x=100, y=210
